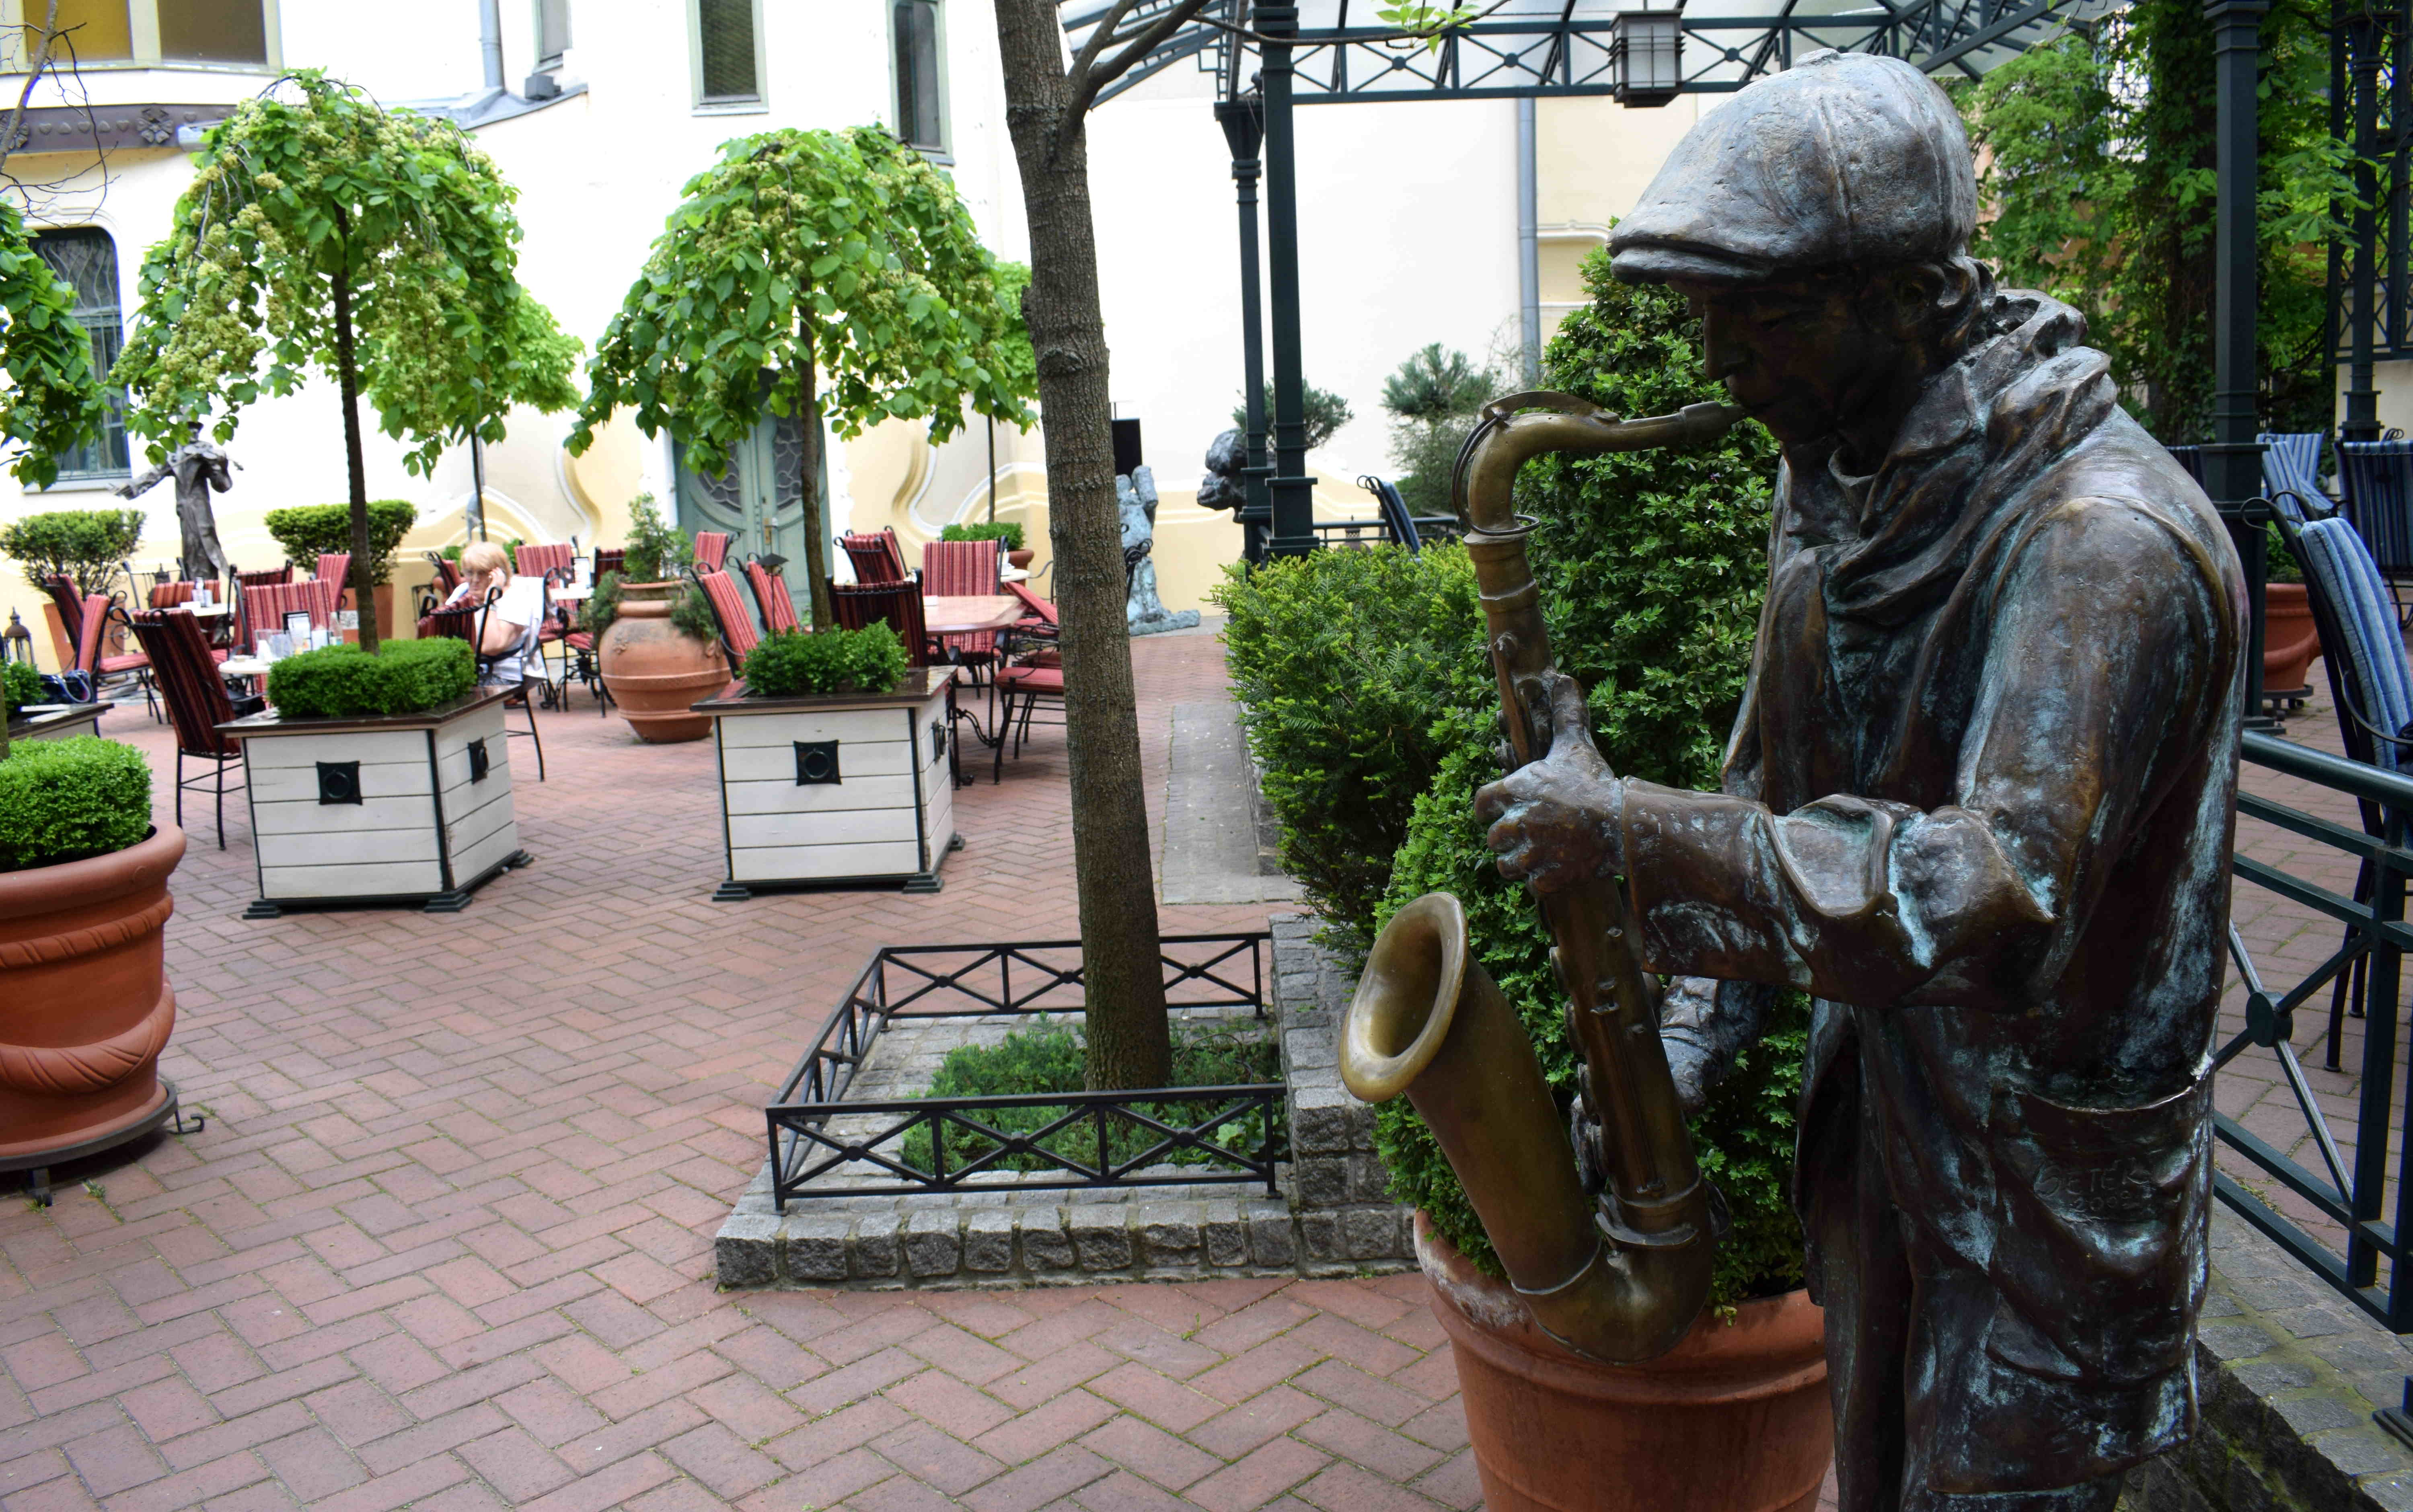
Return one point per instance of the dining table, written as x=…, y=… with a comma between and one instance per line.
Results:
x=969, y=614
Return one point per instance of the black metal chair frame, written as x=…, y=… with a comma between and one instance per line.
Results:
x=2361, y=738
x=238, y=707
x=520, y=696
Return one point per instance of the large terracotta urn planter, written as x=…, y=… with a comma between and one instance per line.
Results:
x=2290, y=639
x=1733, y=1419
x=85, y=1003
x=653, y=672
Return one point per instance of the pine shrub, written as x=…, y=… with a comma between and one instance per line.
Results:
x=69, y=800
x=346, y=682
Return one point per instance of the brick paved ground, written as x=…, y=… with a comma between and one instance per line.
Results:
x=445, y=1241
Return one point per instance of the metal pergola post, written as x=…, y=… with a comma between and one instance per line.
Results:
x=1292, y=492
x=2233, y=461
x=2362, y=421
x=1243, y=121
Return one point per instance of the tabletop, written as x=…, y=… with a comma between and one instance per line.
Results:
x=569, y=595
x=1014, y=575
x=243, y=667
x=207, y=610
x=968, y=615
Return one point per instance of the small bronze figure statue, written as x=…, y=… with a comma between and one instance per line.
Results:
x=199, y=466
x=1978, y=802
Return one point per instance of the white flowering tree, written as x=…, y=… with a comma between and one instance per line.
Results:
x=325, y=233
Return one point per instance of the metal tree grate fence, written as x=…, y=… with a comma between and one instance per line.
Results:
x=1219, y=1135
x=2349, y=1192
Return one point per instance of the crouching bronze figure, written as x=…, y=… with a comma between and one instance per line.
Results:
x=1978, y=802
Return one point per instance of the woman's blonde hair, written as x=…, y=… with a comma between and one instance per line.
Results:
x=485, y=556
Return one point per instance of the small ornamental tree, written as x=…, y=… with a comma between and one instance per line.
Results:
x=53, y=401
x=822, y=274
x=321, y=230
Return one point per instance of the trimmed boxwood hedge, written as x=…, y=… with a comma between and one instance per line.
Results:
x=1009, y=532
x=346, y=682
x=795, y=662
x=69, y=800
x=306, y=531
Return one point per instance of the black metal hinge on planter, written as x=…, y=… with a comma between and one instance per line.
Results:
x=937, y=738
x=816, y=762
x=477, y=759
x=339, y=782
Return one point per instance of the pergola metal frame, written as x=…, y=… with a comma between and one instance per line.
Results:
x=1567, y=49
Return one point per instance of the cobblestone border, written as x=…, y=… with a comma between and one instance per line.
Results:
x=2288, y=1373
x=1335, y=1218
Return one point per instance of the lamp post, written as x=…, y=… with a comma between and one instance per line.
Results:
x=2233, y=461
x=1292, y=493
x=1243, y=120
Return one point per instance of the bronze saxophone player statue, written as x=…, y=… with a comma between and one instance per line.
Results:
x=1977, y=802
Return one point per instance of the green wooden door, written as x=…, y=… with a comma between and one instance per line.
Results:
x=757, y=498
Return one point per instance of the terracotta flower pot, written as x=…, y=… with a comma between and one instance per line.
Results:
x=1019, y=556
x=2290, y=639
x=655, y=672
x=85, y=1003
x=1733, y=1419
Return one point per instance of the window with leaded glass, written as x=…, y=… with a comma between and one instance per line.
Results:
x=728, y=51
x=85, y=261
x=921, y=92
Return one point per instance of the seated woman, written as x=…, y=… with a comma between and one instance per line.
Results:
x=506, y=632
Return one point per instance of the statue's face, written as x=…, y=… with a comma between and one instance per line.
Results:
x=1807, y=357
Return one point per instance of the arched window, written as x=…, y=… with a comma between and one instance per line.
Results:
x=85, y=261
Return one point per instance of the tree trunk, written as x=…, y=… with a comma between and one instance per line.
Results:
x=808, y=431
x=1122, y=976
x=347, y=379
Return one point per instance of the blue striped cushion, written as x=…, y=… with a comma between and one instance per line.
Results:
x=2291, y=463
x=2336, y=560
x=2380, y=493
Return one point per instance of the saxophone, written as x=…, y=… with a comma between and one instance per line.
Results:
x=1621, y=1278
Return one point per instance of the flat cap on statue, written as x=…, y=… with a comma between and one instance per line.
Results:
x=1845, y=159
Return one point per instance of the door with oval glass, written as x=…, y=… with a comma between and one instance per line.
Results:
x=758, y=498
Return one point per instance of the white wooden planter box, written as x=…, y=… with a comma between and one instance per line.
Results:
x=839, y=788
x=58, y=723
x=388, y=809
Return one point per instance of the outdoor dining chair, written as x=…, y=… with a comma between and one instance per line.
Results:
x=269, y=576
x=69, y=601
x=94, y=663
x=2291, y=463
x=2371, y=683
x=262, y=609
x=964, y=569
x=2377, y=481
x=1409, y=530
x=712, y=551
x=616, y=559
x=738, y=634
x=198, y=702
x=544, y=559
x=467, y=622
x=895, y=605
x=876, y=555
x=771, y=597
x=335, y=572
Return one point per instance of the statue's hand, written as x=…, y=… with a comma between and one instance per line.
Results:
x=1560, y=820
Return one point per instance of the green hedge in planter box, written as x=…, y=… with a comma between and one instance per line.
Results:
x=69, y=800
x=796, y=662
x=346, y=682
x=1009, y=532
x=308, y=531
x=20, y=685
